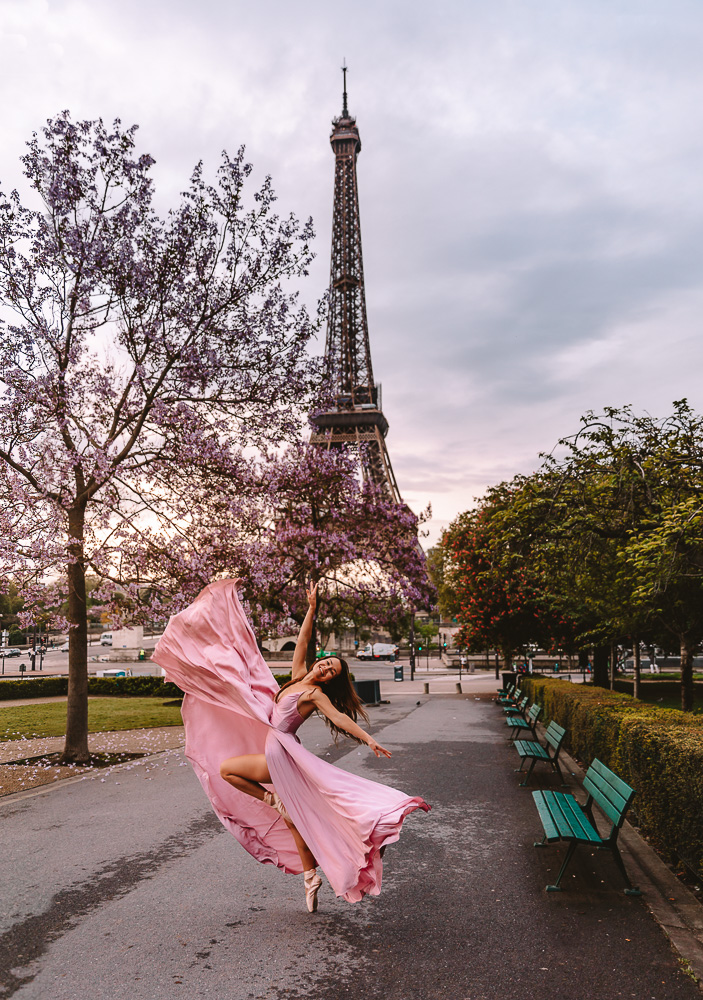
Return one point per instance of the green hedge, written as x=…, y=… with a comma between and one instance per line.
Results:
x=657, y=751
x=136, y=687
x=47, y=687
x=34, y=687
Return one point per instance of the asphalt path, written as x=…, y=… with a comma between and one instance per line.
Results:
x=124, y=885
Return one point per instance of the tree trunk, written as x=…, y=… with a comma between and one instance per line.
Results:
x=613, y=664
x=583, y=661
x=686, y=675
x=636, y=658
x=76, y=746
x=600, y=666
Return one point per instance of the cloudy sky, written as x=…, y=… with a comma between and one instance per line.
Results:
x=530, y=180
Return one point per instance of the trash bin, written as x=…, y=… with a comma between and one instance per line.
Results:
x=398, y=673
x=369, y=691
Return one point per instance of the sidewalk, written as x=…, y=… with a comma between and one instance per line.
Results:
x=137, y=861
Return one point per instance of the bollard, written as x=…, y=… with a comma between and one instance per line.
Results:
x=426, y=687
x=458, y=687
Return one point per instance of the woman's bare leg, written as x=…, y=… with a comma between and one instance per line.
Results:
x=307, y=858
x=247, y=774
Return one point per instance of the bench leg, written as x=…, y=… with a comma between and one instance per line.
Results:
x=527, y=776
x=569, y=855
x=555, y=765
x=630, y=889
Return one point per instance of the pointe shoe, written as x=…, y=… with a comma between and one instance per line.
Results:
x=272, y=799
x=312, y=887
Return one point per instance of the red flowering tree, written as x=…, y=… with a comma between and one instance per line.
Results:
x=138, y=356
x=501, y=594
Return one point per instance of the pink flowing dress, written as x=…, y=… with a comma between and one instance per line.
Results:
x=229, y=708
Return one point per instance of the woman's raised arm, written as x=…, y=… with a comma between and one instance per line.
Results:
x=298, y=669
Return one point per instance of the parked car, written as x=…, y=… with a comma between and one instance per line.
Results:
x=106, y=639
x=10, y=651
x=117, y=672
x=378, y=651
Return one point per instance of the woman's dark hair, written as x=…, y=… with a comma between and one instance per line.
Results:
x=343, y=696
x=341, y=693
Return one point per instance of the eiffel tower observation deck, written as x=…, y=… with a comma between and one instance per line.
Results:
x=356, y=418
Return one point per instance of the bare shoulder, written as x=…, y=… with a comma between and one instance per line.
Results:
x=317, y=697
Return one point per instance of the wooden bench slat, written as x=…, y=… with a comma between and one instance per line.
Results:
x=554, y=735
x=613, y=804
x=599, y=768
x=573, y=820
x=530, y=748
x=599, y=785
x=551, y=831
x=559, y=817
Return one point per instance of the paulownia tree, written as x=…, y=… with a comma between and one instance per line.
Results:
x=139, y=355
x=302, y=515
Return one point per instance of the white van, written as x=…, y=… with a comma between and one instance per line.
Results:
x=378, y=651
x=106, y=639
x=116, y=672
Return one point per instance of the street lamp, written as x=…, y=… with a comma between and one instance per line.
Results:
x=412, y=646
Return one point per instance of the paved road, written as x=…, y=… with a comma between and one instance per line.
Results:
x=125, y=886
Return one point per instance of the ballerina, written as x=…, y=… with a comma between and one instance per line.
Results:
x=284, y=805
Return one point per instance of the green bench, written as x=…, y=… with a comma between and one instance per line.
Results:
x=527, y=722
x=533, y=751
x=517, y=709
x=509, y=699
x=563, y=818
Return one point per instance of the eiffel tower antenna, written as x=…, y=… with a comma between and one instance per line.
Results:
x=345, y=109
x=356, y=418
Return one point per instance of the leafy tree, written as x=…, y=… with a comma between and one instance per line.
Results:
x=138, y=356
x=631, y=486
x=503, y=600
x=604, y=543
x=437, y=568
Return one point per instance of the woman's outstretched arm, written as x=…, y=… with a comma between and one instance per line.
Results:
x=342, y=721
x=298, y=669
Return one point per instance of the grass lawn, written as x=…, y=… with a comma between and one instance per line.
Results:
x=104, y=714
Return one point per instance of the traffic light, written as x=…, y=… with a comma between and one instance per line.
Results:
x=419, y=648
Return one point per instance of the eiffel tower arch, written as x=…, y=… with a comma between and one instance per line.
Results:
x=355, y=418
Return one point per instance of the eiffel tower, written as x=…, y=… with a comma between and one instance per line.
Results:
x=356, y=418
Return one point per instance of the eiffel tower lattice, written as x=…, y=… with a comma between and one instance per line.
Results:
x=356, y=418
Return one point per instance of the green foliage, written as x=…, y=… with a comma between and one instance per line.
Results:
x=602, y=545
x=34, y=687
x=438, y=568
x=503, y=592
x=48, y=687
x=126, y=687
x=657, y=751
